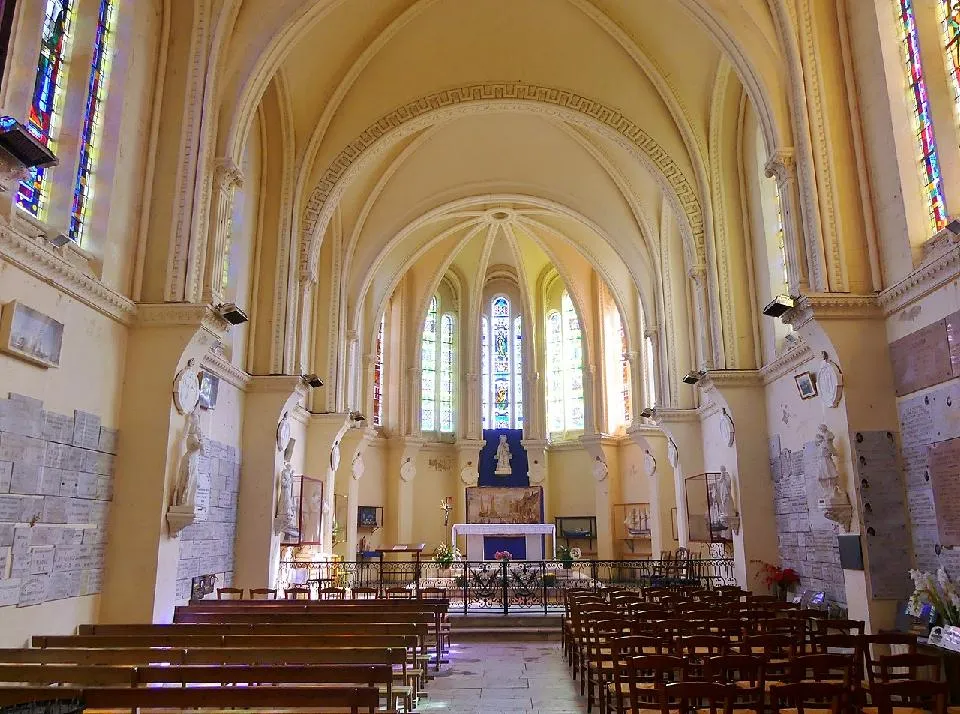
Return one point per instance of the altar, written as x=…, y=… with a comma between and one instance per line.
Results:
x=532, y=534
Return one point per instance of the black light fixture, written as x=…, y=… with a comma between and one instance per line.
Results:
x=357, y=420
x=16, y=140
x=57, y=238
x=232, y=313
x=954, y=227
x=312, y=380
x=648, y=412
x=779, y=305
x=693, y=376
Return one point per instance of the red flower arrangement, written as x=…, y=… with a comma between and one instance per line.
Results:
x=782, y=578
x=503, y=555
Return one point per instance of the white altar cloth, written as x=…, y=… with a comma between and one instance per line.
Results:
x=475, y=532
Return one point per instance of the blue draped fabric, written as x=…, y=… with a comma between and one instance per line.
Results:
x=515, y=545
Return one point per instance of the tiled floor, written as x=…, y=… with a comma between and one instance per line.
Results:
x=509, y=677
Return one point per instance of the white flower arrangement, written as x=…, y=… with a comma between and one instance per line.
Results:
x=938, y=591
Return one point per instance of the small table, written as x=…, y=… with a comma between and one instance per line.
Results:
x=415, y=548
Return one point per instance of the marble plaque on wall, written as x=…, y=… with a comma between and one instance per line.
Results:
x=944, y=470
x=883, y=507
x=921, y=359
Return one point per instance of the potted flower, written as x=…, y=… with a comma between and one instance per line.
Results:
x=780, y=578
x=566, y=555
x=503, y=556
x=443, y=558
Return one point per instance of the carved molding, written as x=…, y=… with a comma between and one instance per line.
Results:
x=786, y=363
x=833, y=306
x=677, y=416
x=227, y=175
x=458, y=100
x=781, y=165
x=38, y=258
x=722, y=378
x=180, y=314
x=223, y=368
x=938, y=270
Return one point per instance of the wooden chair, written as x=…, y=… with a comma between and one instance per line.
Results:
x=809, y=697
x=638, y=679
x=907, y=695
x=697, y=649
x=885, y=640
x=297, y=593
x=263, y=593
x=776, y=651
x=364, y=593
x=746, y=674
x=332, y=593
x=700, y=697
x=843, y=627
x=837, y=668
x=908, y=666
x=230, y=593
x=399, y=593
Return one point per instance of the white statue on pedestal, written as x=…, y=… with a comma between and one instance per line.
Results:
x=503, y=458
x=285, y=522
x=834, y=502
x=185, y=491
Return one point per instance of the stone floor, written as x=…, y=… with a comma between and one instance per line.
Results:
x=510, y=677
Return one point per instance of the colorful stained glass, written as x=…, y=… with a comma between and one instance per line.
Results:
x=46, y=109
x=378, y=376
x=518, y=372
x=554, y=372
x=781, y=242
x=90, y=139
x=573, y=365
x=446, y=387
x=485, y=372
x=428, y=370
x=926, y=144
x=625, y=378
x=949, y=14
x=501, y=362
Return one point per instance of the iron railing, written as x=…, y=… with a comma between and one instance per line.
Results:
x=524, y=585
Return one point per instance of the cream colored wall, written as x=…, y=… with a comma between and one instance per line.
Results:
x=88, y=379
x=373, y=490
x=431, y=484
x=572, y=487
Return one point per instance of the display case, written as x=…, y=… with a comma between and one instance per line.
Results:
x=577, y=532
x=706, y=518
x=632, y=529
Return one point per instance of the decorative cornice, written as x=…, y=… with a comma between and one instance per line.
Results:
x=677, y=416
x=737, y=378
x=938, y=270
x=223, y=368
x=459, y=100
x=833, y=306
x=787, y=362
x=181, y=314
x=36, y=257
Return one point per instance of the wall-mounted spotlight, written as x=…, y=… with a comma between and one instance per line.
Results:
x=231, y=312
x=694, y=376
x=357, y=420
x=56, y=237
x=954, y=227
x=779, y=305
x=648, y=413
x=312, y=380
x=16, y=140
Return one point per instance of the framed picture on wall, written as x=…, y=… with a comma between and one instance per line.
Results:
x=209, y=387
x=806, y=385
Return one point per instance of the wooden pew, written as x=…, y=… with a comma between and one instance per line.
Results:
x=348, y=699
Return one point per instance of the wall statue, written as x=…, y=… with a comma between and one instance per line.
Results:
x=285, y=522
x=600, y=469
x=503, y=458
x=721, y=494
x=185, y=491
x=834, y=502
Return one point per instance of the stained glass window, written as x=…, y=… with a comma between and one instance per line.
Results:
x=626, y=390
x=485, y=371
x=446, y=390
x=651, y=372
x=428, y=370
x=926, y=144
x=949, y=13
x=378, y=376
x=564, y=368
x=93, y=121
x=518, y=372
x=501, y=360
x=781, y=242
x=554, y=372
x=46, y=108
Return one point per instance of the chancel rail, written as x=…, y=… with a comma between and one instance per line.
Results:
x=504, y=585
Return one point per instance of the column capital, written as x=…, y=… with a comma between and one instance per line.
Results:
x=227, y=174
x=781, y=165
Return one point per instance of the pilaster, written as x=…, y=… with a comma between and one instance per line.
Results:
x=357, y=469
x=324, y=433
x=660, y=479
x=227, y=178
x=468, y=466
x=403, y=502
x=684, y=458
x=605, y=469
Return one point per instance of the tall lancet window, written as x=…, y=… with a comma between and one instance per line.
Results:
x=564, y=369
x=428, y=370
x=91, y=137
x=378, y=376
x=501, y=344
x=949, y=14
x=924, y=140
x=46, y=108
x=446, y=391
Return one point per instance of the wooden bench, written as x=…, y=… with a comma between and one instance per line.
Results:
x=379, y=676
x=333, y=698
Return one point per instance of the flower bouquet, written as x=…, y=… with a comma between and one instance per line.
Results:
x=503, y=555
x=566, y=555
x=445, y=554
x=937, y=591
x=781, y=578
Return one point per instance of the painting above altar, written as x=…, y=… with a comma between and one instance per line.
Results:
x=488, y=504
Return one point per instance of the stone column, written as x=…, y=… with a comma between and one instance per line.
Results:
x=682, y=426
x=404, y=501
x=227, y=178
x=605, y=470
x=140, y=572
x=357, y=468
x=744, y=453
x=267, y=400
x=471, y=407
x=783, y=167
x=323, y=458
x=653, y=334
x=538, y=472
x=701, y=312
x=660, y=478
x=468, y=463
